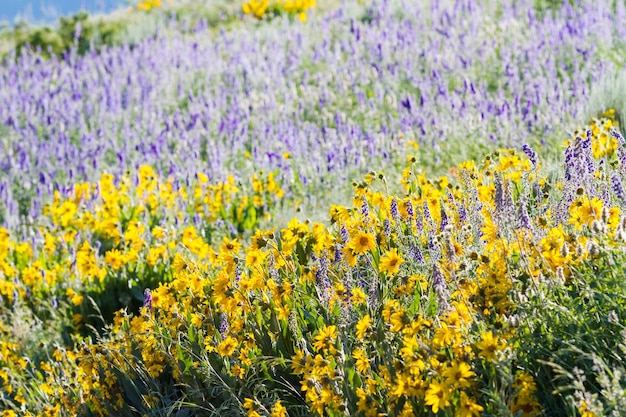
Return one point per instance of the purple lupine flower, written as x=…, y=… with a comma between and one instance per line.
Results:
x=523, y=219
x=409, y=209
x=462, y=213
x=238, y=271
x=499, y=194
x=432, y=243
x=345, y=236
x=427, y=216
x=409, y=214
x=321, y=275
x=418, y=222
x=387, y=228
x=337, y=255
x=147, y=298
x=223, y=328
x=444, y=219
x=415, y=254
x=372, y=293
x=451, y=199
x=618, y=188
x=271, y=268
x=406, y=103
x=570, y=163
x=590, y=164
x=532, y=155
x=441, y=289
x=365, y=207
x=393, y=209
x=621, y=156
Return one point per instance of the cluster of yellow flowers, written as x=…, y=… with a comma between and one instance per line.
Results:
x=260, y=8
x=238, y=306
x=403, y=304
x=603, y=144
x=147, y=5
x=116, y=234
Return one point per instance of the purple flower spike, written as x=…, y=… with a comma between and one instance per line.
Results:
x=147, y=298
x=532, y=155
x=224, y=328
x=618, y=188
x=441, y=289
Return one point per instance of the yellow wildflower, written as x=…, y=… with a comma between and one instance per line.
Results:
x=390, y=262
x=278, y=410
x=489, y=345
x=362, y=242
x=227, y=347
x=325, y=339
x=437, y=396
x=361, y=361
x=468, y=408
x=363, y=326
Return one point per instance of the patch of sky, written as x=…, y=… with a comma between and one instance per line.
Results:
x=47, y=11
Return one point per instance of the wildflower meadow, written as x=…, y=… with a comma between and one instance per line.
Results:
x=315, y=208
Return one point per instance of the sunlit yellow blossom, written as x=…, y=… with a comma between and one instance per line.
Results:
x=75, y=298
x=115, y=259
x=489, y=232
x=250, y=405
x=283, y=312
x=407, y=411
x=365, y=405
x=583, y=211
x=489, y=345
x=358, y=297
x=362, y=242
x=524, y=399
x=361, y=361
x=349, y=255
x=339, y=214
x=486, y=193
x=278, y=410
x=437, y=396
x=256, y=7
x=230, y=246
x=363, y=326
x=179, y=263
x=398, y=319
x=227, y=347
x=147, y=5
x=458, y=374
x=255, y=258
x=162, y=298
x=390, y=262
x=551, y=247
x=298, y=362
x=325, y=339
x=467, y=407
